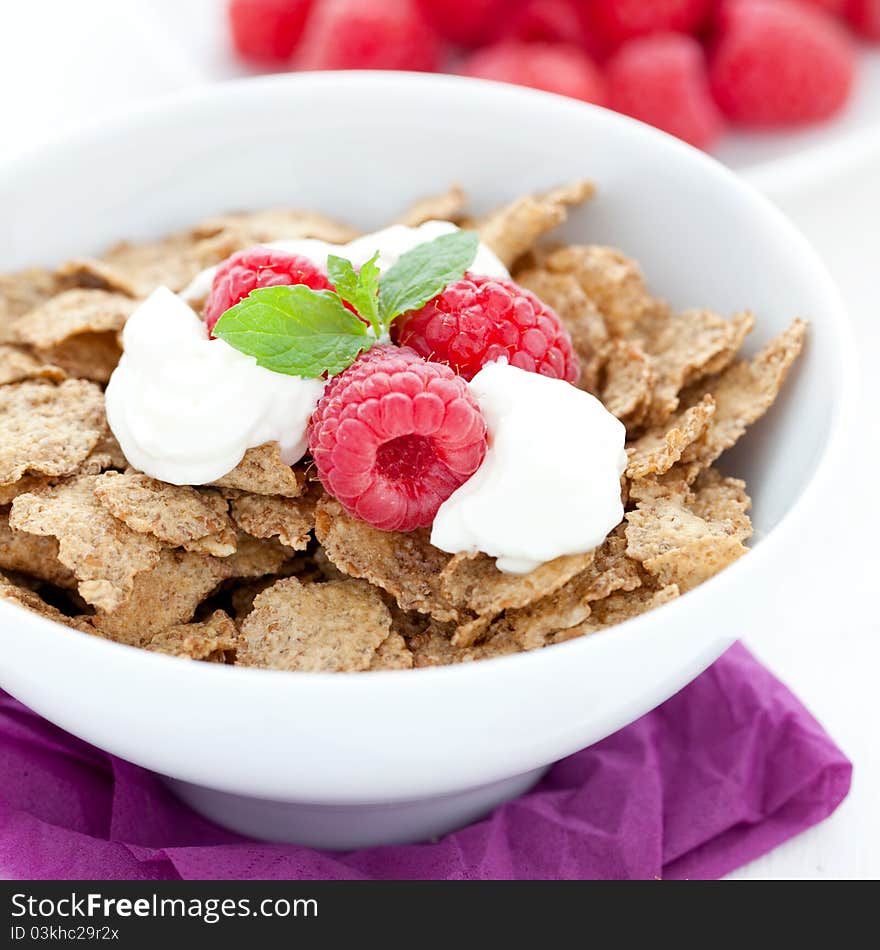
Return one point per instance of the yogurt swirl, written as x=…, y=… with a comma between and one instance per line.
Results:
x=550, y=482
x=186, y=408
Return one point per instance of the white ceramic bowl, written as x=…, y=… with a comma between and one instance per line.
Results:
x=350, y=759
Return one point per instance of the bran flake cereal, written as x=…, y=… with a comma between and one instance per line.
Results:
x=658, y=449
x=512, y=231
x=405, y=565
x=612, y=281
x=744, y=392
x=34, y=555
x=257, y=227
x=17, y=365
x=20, y=293
x=686, y=348
x=136, y=270
x=628, y=382
x=472, y=582
x=162, y=597
x=611, y=570
x=336, y=626
x=31, y=600
x=46, y=429
x=291, y=520
x=104, y=555
x=78, y=330
x=209, y=640
x=262, y=472
x=446, y=206
x=618, y=608
x=178, y=515
x=263, y=568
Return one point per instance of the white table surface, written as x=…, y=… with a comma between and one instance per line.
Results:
x=102, y=55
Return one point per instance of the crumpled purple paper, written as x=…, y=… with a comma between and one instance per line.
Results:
x=721, y=773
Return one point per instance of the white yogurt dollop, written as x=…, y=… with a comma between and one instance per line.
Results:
x=550, y=482
x=390, y=242
x=185, y=408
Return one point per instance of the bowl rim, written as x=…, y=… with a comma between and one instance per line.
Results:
x=842, y=390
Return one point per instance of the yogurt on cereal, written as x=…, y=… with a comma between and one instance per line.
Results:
x=185, y=408
x=550, y=482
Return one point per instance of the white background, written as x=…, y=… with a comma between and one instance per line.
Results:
x=64, y=62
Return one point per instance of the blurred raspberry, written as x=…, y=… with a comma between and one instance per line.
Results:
x=778, y=63
x=834, y=7
x=464, y=22
x=267, y=31
x=616, y=21
x=547, y=21
x=555, y=67
x=864, y=17
x=393, y=437
x=365, y=34
x=662, y=80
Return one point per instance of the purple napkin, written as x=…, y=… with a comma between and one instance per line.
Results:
x=721, y=773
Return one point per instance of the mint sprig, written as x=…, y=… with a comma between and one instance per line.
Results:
x=303, y=332
x=359, y=288
x=422, y=273
x=295, y=330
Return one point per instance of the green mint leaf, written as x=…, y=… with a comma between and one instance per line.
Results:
x=295, y=330
x=359, y=288
x=423, y=272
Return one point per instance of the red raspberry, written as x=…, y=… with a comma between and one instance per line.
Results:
x=661, y=79
x=545, y=21
x=555, y=67
x=479, y=319
x=375, y=354
x=464, y=22
x=864, y=17
x=257, y=267
x=267, y=30
x=393, y=437
x=835, y=7
x=778, y=63
x=364, y=34
x=616, y=21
